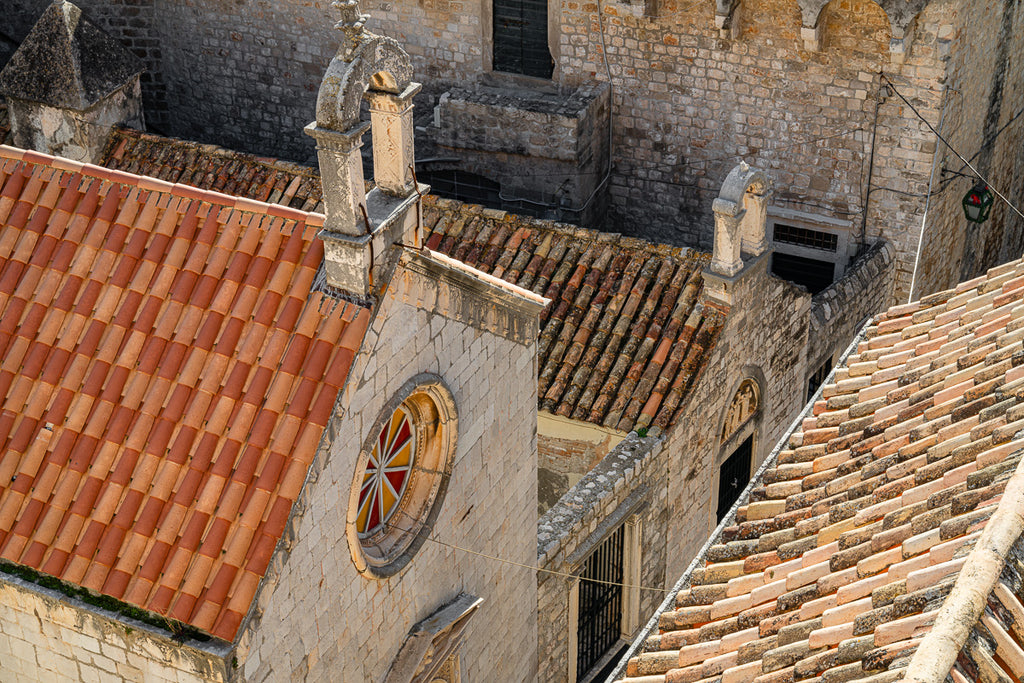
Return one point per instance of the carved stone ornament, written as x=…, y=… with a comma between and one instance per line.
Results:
x=431, y=651
x=744, y=404
x=363, y=59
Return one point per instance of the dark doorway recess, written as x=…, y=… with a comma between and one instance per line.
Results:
x=521, y=38
x=733, y=476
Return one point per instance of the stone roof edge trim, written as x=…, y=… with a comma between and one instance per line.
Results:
x=514, y=292
x=959, y=614
x=312, y=220
x=652, y=624
x=561, y=519
x=215, y=647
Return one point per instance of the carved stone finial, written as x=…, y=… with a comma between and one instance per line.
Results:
x=351, y=23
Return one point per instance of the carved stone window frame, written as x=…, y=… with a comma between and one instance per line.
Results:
x=430, y=404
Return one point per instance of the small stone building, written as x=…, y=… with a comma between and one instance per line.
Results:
x=881, y=541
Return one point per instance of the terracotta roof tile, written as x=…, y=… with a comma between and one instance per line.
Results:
x=118, y=473
x=854, y=538
x=622, y=340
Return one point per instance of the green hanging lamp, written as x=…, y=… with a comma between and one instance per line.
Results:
x=978, y=203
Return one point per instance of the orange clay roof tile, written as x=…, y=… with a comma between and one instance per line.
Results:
x=121, y=320
x=850, y=542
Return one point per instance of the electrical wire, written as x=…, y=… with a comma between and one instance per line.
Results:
x=967, y=163
x=513, y=563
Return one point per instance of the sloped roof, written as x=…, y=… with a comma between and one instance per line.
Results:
x=67, y=61
x=166, y=376
x=624, y=336
x=214, y=168
x=839, y=562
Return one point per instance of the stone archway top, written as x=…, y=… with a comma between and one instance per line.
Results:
x=741, y=180
x=364, y=60
x=900, y=12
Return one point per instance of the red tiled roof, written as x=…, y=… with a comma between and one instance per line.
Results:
x=214, y=168
x=623, y=338
x=851, y=541
x=166, y=376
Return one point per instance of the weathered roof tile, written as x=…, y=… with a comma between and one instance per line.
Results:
x=900, y=471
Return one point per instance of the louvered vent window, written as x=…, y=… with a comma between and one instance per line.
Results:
x=521, y=38
x=600, y=606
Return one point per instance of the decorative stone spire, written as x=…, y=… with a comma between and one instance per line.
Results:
x=740, y=215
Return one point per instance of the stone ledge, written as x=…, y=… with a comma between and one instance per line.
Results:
x=583, y=504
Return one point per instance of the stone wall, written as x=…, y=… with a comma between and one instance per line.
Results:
x=686, y=102
x=629, y=481
x=47, y=636
x=984, y=92
x=764, y=338
x=315, y=611
x=566, y=450
x=545, y=146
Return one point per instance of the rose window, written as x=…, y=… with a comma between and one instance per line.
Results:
x=387, y=473
x=402, y=473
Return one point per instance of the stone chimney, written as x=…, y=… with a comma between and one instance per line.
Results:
x=361, y=227
x=69, y=84
x=740, y=229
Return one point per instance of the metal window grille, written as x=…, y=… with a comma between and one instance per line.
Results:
x=818, y=378
x=733, y=476
x=813, y=274
x=600, y=604
x=521, y=38
x=815, y=239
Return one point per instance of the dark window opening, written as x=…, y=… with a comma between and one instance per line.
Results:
x=463, y=186
x=733, y=476
x=521, y=38
x=815, y=239
x=818, y=378
x=599, y=624
x=811, y=273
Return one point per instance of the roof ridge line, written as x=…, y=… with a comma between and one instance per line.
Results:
x=982, y=567
x=156, y=185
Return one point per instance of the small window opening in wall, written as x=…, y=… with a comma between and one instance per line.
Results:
x=600, y=605
x=818, y=378
x=814, y=274
x=521, y=38
x=463, y=186
x=804, y=237
x=733, y=476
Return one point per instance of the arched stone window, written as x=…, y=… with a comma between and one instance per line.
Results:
x=401, y=477
x=739, y=438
